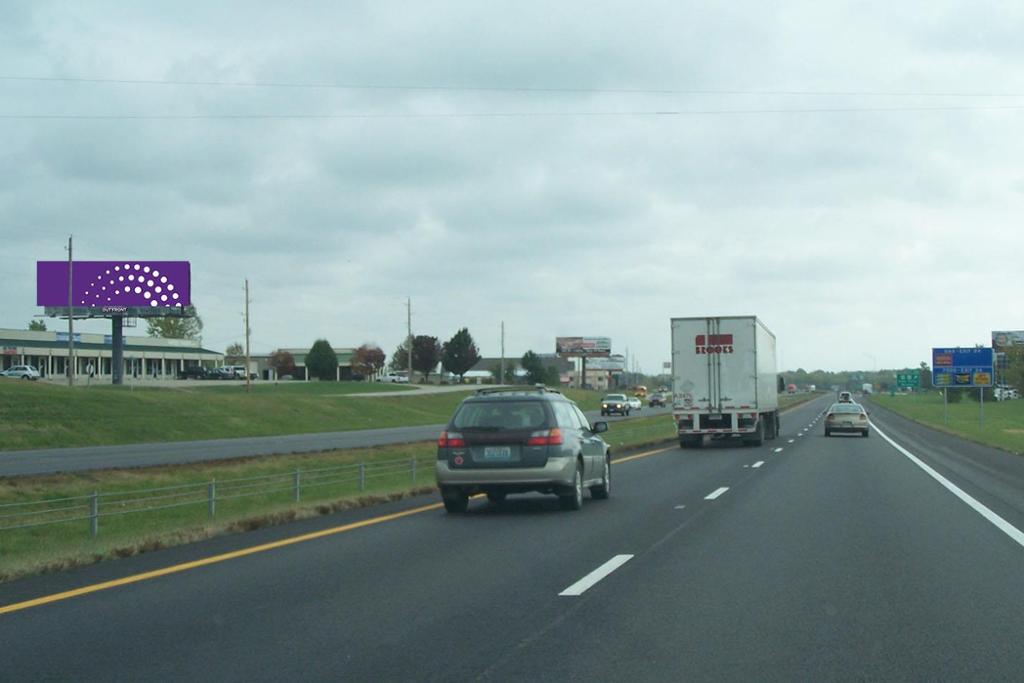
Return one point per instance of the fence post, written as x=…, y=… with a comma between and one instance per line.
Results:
x=296, y=484
x=94, y=514
x=414, y=471
x=362, y=476
x=211, y=497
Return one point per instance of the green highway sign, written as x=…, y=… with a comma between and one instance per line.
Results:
x=908, y=379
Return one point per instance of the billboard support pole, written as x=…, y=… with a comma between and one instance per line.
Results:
x=248, y=382
x=71, y=323
x=981, y=409
x=117, y=349
x=945, y=406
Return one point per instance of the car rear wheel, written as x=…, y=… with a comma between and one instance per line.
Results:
x=864, y=433
x=573, y=500
x=454, y=500
x=604, y=489
x=828, y=433
x=496, y=496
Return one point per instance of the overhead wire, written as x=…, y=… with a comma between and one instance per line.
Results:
x=504, y=89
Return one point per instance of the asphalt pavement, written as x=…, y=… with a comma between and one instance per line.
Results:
x=809, y=558
x=81, y=459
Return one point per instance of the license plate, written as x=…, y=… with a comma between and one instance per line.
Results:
x=497, y=452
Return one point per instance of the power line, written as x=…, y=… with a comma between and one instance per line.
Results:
x=505, y=114
x=503, y=89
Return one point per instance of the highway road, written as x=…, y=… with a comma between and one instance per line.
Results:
x=806, y=559
x=81, y=459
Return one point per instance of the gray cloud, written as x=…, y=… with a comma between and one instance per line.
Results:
x=855, y=235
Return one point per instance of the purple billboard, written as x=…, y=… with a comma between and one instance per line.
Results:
x=114, y=284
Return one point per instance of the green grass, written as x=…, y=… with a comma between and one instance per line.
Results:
x=42, y=415
x=68, y=544
x=790, y=400
x=1004, y=420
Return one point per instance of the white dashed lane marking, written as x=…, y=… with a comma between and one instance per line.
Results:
x=716, y=493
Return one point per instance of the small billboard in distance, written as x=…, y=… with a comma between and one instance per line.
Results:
x=583, y=346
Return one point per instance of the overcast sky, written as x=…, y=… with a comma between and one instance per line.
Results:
x=876, y=222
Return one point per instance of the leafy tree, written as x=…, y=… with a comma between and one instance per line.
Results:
x=426, y=353
x=321, y=361
x=552, y=377
x=400, y=358
x=1014, y=372
x=534, y=367
x=234, y=354
x=510, y=372
x=954, y=395
x=459, y=353
x=925, y=376
x=282, y=362
x=368, y=359
x=189, y=326
x=37, y=325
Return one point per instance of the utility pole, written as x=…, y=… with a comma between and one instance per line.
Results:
x=501, y=379
x=71, y=322
x=408, y=323
x=248, y=381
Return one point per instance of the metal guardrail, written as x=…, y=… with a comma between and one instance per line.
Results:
x=93, y=507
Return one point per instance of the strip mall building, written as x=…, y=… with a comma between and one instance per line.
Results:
x=48, y=352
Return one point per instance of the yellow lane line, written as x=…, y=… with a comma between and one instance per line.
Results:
x=215, y=559
x=185, y=566
x=645, y=454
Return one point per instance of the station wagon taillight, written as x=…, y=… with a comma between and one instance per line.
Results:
x=546, y=437
x=452, y=440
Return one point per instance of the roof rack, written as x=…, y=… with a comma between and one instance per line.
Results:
x=535, y=389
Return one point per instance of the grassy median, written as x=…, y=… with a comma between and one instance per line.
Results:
x=388, y=474
x=42, y=415
x=1003, y=425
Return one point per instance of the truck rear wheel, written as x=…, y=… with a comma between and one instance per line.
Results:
x=757, y=438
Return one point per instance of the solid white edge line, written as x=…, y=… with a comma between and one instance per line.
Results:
x=758, y=463
x=1000, y=523
x=716, y=493
x=581, y=586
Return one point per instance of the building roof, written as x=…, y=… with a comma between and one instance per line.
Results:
x=5, y=341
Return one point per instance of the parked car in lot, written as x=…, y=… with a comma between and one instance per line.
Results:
x=615, y=403
x=21, y=372
x=846, y=417
x=634, y=402
x=221, y=373
x=514, y=440
x=394, y=378
x=193, y=372
x=656, y=399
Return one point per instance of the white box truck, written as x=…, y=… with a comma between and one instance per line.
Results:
x=724, y=380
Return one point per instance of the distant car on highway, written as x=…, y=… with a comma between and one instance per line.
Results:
x=634, y=402
x=394, y=378
x=514, y=440
x=656, y=399
x=615, y=403
x=21, y=372
x=845, y=397
x=846, y=417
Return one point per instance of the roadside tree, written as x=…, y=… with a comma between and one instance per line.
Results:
x=234, y=354
x=37, y=325
x=460, y=353
x=400, y=358
x=282, y=362
x=510, y=372
x=367, y=360
x=534, y=367
x=426, y=354
x=321, y=361
x=174, y=327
